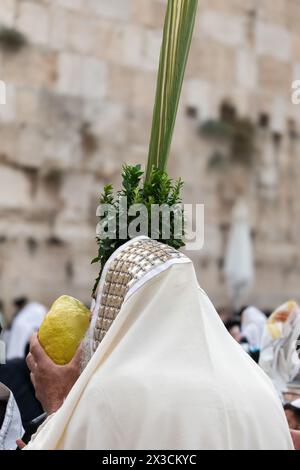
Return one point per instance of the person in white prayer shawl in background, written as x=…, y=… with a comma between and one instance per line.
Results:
x=278, y=356
x=27, y=321
x=253, y=323
x=162, y=372
x=10, y=420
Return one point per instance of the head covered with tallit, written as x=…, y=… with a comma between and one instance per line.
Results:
x=164, y=373
x=278, y=357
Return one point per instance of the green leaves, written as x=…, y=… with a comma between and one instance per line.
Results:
x=178, y=31
x=159, y=190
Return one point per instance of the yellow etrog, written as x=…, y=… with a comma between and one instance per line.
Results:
x=63, y=329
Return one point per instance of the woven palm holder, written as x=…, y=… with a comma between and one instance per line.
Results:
x=128, y=267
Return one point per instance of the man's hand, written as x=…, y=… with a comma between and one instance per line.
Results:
x=52, y=382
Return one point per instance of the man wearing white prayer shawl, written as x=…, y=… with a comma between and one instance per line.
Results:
x=253, y=324
x=10, y=420
x=278, y=356
x=164, y=373
x=28, y=320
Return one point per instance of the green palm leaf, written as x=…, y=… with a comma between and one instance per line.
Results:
x=178, y=31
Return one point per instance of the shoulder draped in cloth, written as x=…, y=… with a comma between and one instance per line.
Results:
x=165, y=373
x=10, y=420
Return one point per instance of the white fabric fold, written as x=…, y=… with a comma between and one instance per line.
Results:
x=25, y=324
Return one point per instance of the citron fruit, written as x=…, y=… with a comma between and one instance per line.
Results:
x=63, y=329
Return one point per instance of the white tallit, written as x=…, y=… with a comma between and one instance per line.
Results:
x=167, y=375
x=278, y=356
x=11, y=429
x=28, y=321
x=253, y=323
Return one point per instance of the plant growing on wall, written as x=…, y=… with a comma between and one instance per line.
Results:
x=238, y=133
x=155, y=186
x=11, y=40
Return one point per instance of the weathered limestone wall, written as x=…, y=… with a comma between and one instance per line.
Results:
x=79, y=104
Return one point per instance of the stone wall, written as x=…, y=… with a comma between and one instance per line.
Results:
x=79, y=104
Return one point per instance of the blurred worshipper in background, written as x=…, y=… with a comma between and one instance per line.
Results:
x=292, y=412
x=224, y=313
x=15, y=375
x=278, y=357
x=157, y=368
x=253, y=323
x=2, y=318
x=4, y=331
x=295, y=432
x=26, y=321
x=10, y=420
x=239, y=260
x=233, y=327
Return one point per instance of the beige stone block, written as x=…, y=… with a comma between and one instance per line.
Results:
x=224, y=28
x=134, y=45
x=274, y=76
x=110, y=8
x=212, y=244
x=75, y=195
x=62, y=149
x=70, y=68
x=109, y=40
x=31, y=67
x=120, y=83
x=273, y=41
x=246, y=69
x=138, y=126
x=276, y=11
x=296, y=46
x=28, y=101
x=47, y=200
x=14, y=189
x=143, y=89
x=61, y=118
x=292, y=15
x=81, y=76
x=151, y=49
x=279, y=114
x=242, y=101
x=59, y=112
x=212, y=61
x=81, y=33
x=262, y=101
x=149, y=12
x=94, y=78
x=30, y=147
x=8, y=142
x=232, y=7
x=7, y=12
x=108, y=120
x=8, y=110
x=33, y=21
x=134, y=154
x=197, y=94
x=58, y=28
x=70, y=4
x=296, y=71
x=128, y=44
